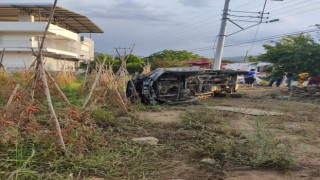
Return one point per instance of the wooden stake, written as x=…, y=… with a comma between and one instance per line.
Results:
x=1, y=60
x=47, y=92
x=14, y=92
x=58, y=88
x=95, y=82
x=44, y=79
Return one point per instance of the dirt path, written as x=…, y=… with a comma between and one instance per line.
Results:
x=161, y=117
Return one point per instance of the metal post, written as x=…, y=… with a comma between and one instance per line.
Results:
x=222, y=36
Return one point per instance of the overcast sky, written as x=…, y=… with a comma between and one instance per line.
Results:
x=154, y=25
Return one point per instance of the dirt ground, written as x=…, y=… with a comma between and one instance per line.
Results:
x=299, y=125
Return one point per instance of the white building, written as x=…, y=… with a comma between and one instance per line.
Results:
x=21, y=25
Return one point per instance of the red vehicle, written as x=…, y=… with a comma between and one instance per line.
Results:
x=202, y=63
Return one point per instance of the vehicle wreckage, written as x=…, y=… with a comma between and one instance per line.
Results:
x=181, y=85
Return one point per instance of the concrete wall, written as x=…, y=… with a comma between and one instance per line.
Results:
x=53, y=64
x=16, y=61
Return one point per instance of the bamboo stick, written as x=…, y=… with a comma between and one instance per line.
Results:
x=1, y=60
x=47, y=92
x=14, y=92
x=44, y=79
x=58, y=88
x=95, y=82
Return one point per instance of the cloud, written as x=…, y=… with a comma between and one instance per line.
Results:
x=195, y=3
x=131, y=10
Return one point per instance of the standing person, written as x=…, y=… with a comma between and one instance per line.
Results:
x=289, y=77
x=277, y=78
x=272, y=80
x=249, y=77
x=279, y=81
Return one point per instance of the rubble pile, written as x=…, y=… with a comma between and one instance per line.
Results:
x=312, y=91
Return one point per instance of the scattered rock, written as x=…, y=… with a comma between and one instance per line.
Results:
x=146, y=140
x=124, y=118
x=208, y=161
x=281, y=146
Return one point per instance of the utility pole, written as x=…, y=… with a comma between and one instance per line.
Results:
x=222, y=36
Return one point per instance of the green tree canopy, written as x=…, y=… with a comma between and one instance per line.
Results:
x=171, y=58
x=134, y=61
x=297, y=54
x=101, y=56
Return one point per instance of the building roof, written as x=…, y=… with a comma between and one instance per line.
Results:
x=62, y=17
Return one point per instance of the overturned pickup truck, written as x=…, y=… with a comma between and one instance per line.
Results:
x=181, y=85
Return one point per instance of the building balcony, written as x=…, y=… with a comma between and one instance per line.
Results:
x=50, y=46
x=37, y=27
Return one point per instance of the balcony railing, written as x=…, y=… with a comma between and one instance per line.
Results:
x=15, y=44
x=27, y=44
x=59, y=46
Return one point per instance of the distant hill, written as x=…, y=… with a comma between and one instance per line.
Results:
x=235, y=58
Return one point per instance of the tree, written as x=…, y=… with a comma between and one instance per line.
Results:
x=134, y=61
x=297, y=54
x=171, y=58
x=101, y=56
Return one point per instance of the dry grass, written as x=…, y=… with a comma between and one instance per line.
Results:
x=100, y=144
x=65, y=78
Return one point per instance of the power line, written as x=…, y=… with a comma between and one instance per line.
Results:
x=190, y=33
x=257, y=40
x=192, y=28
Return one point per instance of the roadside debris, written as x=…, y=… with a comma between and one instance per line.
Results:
x=312, y=91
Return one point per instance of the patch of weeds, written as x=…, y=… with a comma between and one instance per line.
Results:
x=214, y=137
x=17, y=163
x=72, y=92
x=110, y=155
x=270, y=152
x=199, y=116
x=310, y=133
x=259, y=150
x=203, y=116
x=103, y=117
